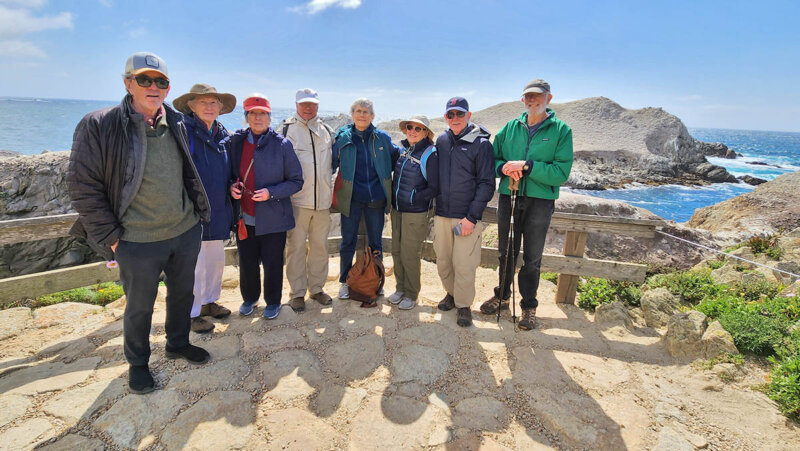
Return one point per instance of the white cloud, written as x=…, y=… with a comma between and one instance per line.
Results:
x=18, y=21
x=25, y=3
x=138, y=32
x=315, y=6
x=20, y=49
x=106, y=3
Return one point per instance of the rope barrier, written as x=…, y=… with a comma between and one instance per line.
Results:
x=728, y=254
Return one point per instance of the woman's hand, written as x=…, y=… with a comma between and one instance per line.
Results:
x=236, y=191
x=261, y=195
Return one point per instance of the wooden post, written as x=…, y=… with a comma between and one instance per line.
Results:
x=574, y=246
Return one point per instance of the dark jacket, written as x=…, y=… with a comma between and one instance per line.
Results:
x=105, y=171
x=412, y=190
x=466, y=173
x=276, y=168
x=214, y=166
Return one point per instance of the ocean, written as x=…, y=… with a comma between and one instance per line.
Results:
x=31, y=126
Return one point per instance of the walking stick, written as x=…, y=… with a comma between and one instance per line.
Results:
x=513, y=187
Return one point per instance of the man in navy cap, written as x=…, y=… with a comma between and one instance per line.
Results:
x=140, y=200
x=466, y=184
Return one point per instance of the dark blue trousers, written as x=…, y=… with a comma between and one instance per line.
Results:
x=257, y=250
x=373, y=219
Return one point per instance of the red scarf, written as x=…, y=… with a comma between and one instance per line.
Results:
x=247, y=202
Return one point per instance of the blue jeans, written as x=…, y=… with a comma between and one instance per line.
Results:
x=373, y=219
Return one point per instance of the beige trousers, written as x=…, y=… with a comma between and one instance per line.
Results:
x=457, y=258
x=307, y=274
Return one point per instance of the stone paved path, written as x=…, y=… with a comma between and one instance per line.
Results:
x=342, y=377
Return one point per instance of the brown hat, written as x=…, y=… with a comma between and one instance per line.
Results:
x=201, y=89
x=418, y=119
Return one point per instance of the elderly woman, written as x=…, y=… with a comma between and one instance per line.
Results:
x=414, y=186
x=364, y=156
x=202, y=105
x=266, y=172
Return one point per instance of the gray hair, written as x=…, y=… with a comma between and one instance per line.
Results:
x=362, y=102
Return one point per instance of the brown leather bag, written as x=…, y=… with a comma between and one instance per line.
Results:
x=366, y=277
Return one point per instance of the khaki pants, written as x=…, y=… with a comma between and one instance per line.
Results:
x=457, y=258
x=311, y=273
x=408, y=232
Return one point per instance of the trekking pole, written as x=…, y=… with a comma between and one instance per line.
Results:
x=513, y=187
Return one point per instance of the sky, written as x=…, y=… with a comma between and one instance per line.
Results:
x=719, y=64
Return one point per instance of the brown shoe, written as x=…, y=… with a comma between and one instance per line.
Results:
x=464, y=317
x=448, y=303
x=298, y=304
x=214, y=310
x=201, y=325
x=322, y=297
x=528, y=319
x=490, y=307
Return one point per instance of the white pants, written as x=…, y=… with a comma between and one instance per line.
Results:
x=208, y=274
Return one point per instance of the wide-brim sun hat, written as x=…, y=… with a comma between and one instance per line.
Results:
x=201, y=89
x=418, y=119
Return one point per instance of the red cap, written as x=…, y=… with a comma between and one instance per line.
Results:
x=257, y=102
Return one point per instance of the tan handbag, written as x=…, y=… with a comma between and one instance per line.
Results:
x=366, y=277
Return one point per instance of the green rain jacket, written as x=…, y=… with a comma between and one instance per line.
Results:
x=548, y=154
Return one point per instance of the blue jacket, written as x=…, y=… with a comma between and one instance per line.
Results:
x=382, y=152
x=466, y=173
x=275, y=167
x=214, y=166
x=412, y=190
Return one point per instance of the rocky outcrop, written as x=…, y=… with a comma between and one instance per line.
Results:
x=685, y=334
x=716, y=150
x=658, y=306
x=750, y=180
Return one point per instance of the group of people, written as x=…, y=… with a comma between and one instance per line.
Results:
x=160, y=189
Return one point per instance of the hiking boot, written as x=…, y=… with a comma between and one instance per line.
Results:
x=344, y=291
x=214, y=310
x=272, y=311
x=464, y=317
x=490, y=307
x=190, y=353
x=407, y=303
x=448, y=303
x=201, y=325
x=396, y=297
x=528, y=319
x=322, y=297
x=298, y=304
x=140, y=381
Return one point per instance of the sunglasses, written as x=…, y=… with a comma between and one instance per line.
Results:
x=417, y=128
x=452, y=114
x=145, y=82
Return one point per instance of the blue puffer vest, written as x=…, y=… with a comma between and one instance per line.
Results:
x=410, y=178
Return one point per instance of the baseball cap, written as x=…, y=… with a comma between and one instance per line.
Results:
x=457, y=103
x=257, y=101
x=145, y=61
x=306, y=95
x=536, y=85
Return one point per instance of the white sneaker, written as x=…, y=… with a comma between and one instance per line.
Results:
x=407, y=304
x=344, y=291
x=396, y=297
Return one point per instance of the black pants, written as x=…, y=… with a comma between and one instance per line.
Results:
x=259, y=250
x=140, y=267
x=531, y=221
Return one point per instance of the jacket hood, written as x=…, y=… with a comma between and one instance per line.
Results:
x=474, y=133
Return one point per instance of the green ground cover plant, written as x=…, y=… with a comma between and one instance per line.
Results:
x=100, y=294
x=595, y=291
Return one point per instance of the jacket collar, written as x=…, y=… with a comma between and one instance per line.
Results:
x=346, y=133
x=423, y=144
x=313, y=124
x=550, y=116
x=471, y=133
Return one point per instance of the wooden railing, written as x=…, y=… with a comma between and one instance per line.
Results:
x=570, y=265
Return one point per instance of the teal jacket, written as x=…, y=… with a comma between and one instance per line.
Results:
x=548, y=154
x=383, y=154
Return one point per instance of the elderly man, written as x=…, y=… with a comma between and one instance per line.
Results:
x=202, y=106
x=536, y=150
x=140, y=198
x=312, y=140
x=466, y=184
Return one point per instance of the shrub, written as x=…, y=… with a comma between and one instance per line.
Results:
x=693, y=286
x=596, y=291
x=767, y=245
x=752, y=332
x=551, y=277
x=753, y=291
x=784, y=386
x=716, y=306
x=715, y=264
x=100, y=294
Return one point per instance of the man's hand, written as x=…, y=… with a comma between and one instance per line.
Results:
x=114, y=246
x=236, y=191
x=514, y=169
x=261, y=195
x=466, y=227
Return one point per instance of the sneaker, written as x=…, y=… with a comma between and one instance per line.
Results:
x=140, y=381
x=464, y=317
x=214, y=310
x=396, y=297
x=272, y=311
x=344, y=291
x=246, y=308
x=490, y=307
x=322, y=297
x=298, y=304
x=190, y=353
x=407, y=303
x=201, y=325
x=448, y=303
x=528, y=319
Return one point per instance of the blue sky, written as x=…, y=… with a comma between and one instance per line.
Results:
x=726, y=64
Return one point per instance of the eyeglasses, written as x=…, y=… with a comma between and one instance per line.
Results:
x=452, y=114
x=417, y=128
x=145, y=82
